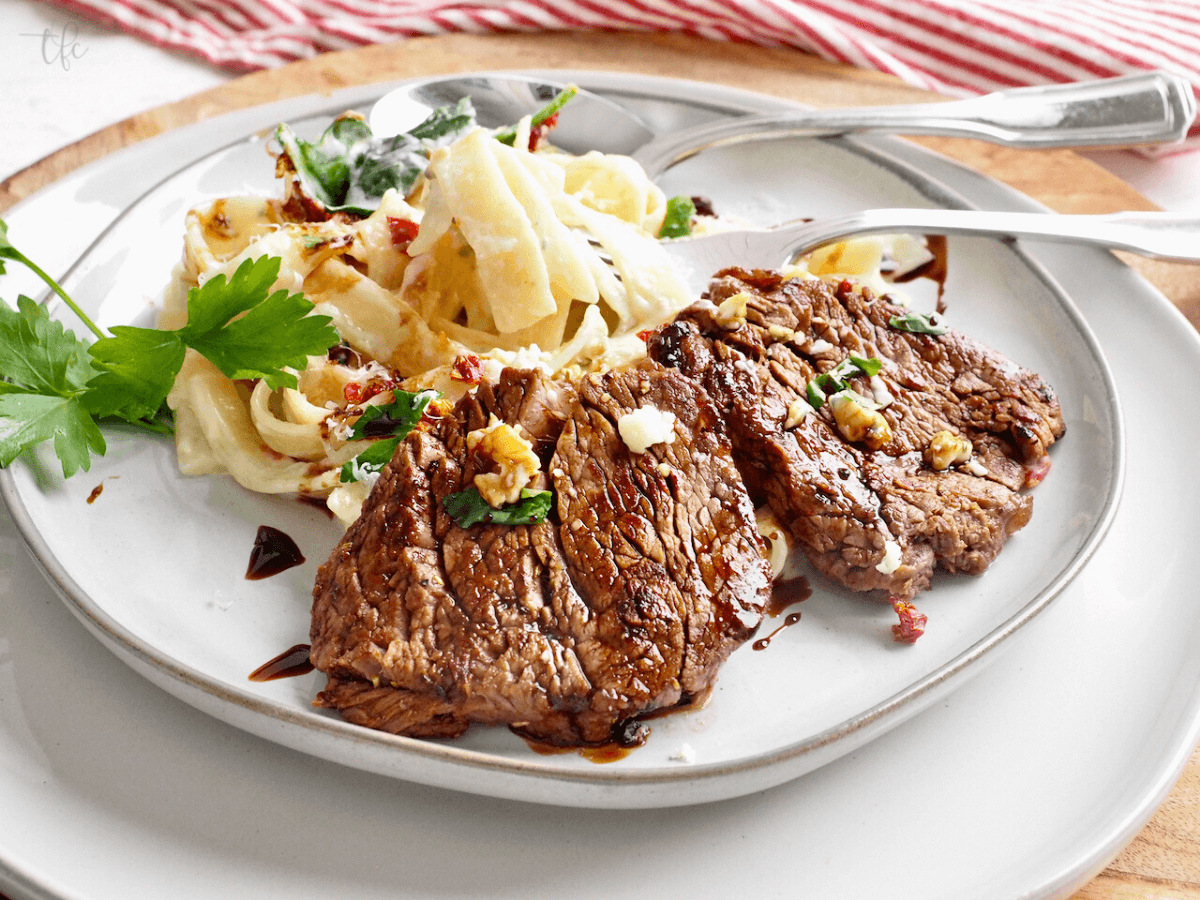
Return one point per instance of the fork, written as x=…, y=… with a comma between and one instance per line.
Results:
x=1160, y=235
x=1148, y=107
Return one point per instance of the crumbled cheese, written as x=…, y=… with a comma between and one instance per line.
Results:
x=858, y=421
x=976, y=468
x=780, y=332
x=819, y=346
x=664, y=470
x=645, y=427
x=796, y=413
x=685, y=754
x=879, y=390
x=891, y=558
x=947, y=448
x=731, y=314
x=513, y=457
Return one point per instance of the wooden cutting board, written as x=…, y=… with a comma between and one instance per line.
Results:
x=1164, y=860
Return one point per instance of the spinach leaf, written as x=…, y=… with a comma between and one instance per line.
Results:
x=392, y=421
x=469, y=508
x=350, y=169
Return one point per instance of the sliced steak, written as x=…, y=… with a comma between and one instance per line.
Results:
x=564, y=631
x=871, y=518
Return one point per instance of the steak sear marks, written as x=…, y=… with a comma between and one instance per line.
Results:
x=870, y=519
x=645, y=577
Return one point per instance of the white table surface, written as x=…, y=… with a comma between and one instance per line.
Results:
x=65, y=78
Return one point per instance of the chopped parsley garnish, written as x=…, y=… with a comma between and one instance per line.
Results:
x=917, y=323
x=393, y=422
x=469, y=508
x=819, y=389
x=677, y=222
x=55, y=387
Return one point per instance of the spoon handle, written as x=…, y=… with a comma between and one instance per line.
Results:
x=1151, y=107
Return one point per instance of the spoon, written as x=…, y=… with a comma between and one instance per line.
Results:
x=1160, y=235
x=588, y=122
x=1154, y=107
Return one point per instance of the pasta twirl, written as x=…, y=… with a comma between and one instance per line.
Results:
x=517, y=256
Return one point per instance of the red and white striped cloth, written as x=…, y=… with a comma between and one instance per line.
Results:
x=955, y=47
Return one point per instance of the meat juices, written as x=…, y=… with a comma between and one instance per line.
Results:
x=648, y=573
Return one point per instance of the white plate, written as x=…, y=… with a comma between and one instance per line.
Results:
x=1022, y=783
x=191, y=623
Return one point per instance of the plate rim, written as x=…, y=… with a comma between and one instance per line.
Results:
x=896, y=708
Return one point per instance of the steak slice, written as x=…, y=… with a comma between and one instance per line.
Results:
x=563, y=631
x=870, y=518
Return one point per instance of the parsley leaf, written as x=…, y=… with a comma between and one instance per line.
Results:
x=469, y=508
x=55, y=387
x=836, y=378
x=917, y=323
x=137, y=369
x=45, y=372
x=238, y=324
x=393, y=422
x=677, y=222
x=276, y=331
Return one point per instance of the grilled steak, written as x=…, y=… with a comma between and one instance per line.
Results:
x=646, y=575
x=649, y=569
x=872, y=509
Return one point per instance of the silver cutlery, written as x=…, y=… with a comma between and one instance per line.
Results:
x=1153, y=107
x=1154, y=234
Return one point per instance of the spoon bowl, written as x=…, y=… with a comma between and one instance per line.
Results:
x=587, y=122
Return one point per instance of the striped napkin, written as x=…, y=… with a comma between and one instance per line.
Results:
x=954, y=47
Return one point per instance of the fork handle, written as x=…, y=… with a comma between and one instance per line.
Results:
x=1150, y=107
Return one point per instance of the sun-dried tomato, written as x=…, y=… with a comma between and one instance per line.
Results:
x=537, y=133
x=467, y=369
x=436, y=409
x=912, y=622
x=403, y=231
x=357, y=394
x=1037, y=472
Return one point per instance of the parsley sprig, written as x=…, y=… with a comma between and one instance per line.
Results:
x=917, y=323
x=836, y=379
x=56, y=387
x=677, y=221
